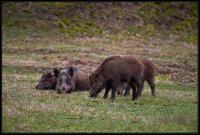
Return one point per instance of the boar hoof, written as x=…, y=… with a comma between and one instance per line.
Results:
x=134, y=99
x=112, y=100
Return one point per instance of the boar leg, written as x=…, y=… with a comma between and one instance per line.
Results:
x=137, y=87
x=140, y=92
x=108, y=87
x=152, y=85
x=115, y=84
x=133, y=86
x=127, y=90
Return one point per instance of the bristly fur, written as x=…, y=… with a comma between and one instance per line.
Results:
x=115, y=70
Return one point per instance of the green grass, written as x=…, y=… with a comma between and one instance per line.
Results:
x=25, y=109
x=30, y=110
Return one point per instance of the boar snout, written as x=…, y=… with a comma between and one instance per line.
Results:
x=42, y=86
x=64, y=90
x=93, y=94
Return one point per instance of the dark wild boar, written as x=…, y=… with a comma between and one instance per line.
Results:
x=150, y=70
x=48, y=80
x=71, y=79
x=113, y=72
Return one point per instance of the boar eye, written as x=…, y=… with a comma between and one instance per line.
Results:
x=42, y=81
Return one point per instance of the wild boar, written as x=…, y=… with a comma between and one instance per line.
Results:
x=113, y=72
x=48, y=79
x=150, y=70
x=71, y=79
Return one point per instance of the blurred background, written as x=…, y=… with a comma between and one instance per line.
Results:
x=143, y=20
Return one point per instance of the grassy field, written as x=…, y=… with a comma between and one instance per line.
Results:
x=26, y=54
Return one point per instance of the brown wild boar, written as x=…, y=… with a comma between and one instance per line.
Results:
x=71, y=79
x=113, y=72
x=48, y=80
x=150, y=70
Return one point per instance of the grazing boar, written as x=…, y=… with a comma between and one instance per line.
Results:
x=71, y=79
x=48, y=80
x=150, y=70
x=113, y=72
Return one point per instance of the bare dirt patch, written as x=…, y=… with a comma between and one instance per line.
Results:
x=182, y=72
x=28, y=50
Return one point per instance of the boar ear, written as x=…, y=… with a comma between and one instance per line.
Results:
x=71, y=70
x=56, y=72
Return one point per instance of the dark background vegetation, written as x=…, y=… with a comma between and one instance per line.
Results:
x=82, y=19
